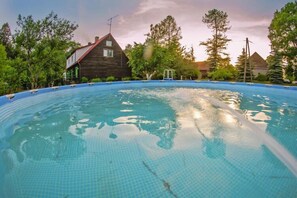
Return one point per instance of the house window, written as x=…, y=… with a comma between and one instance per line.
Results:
x=109, y=43
x=108, y=53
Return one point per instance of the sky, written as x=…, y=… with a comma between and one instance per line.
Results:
x=248, y=18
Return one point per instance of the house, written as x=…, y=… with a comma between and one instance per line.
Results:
x=203, y=67
x=259, y=65
x=100, y=59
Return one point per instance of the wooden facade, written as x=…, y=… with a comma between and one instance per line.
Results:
x=260, y=66
x=101, y=59
x=203, y=67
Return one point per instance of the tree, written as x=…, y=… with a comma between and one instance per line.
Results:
x=162, y=50
x=275, y=71
x=146, y=59
x=241, y=60
x=283, y=35
x=8, y=76
x=6, y=40
x=217, y=21
x=43, y=45
x=165, y=33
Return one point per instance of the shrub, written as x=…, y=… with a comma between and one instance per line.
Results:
x=136, y=78
x=261, y=77
x=3, y=88
x=96, y=80
x=84, y=79
x=126, y=78
x=221, y=74
x=110, y=78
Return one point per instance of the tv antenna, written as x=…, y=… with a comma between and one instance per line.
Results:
x=110, y=22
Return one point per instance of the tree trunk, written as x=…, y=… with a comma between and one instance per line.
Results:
x=149, y=76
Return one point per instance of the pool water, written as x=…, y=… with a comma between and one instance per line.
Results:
x=138, y=141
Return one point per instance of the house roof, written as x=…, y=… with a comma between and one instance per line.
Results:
x=93, y=46
x=258, y=62
x=202, y=65
x=90, y=48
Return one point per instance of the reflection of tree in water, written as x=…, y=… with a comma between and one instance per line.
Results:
x=146, y=113
x=214, y=146
x=282, y=124
x=46, y=137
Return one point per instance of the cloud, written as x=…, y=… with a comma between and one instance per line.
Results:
x=247, y=18
x=149, y=5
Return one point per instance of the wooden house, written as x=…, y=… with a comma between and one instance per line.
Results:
x=203, y=67
x=100, y=59
x=259, y=65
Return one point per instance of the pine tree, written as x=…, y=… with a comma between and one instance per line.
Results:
x=275, y=71
x=241, y=60
x=217, y=21
x=6, y=40
x=166, y=33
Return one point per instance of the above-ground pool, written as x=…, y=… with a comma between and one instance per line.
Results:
x=150, y=139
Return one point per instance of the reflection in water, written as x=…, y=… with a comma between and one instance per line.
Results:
x=159, y=135
x=214, y=148
x=278, y=117
x=148, y=114
x=46, y=138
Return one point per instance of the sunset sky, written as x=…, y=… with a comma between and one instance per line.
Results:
x=248, y=18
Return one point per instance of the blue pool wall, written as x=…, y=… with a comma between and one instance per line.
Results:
x=5, y=99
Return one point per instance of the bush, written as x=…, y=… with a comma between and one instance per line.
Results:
x=126, y=78
x=96, y=80
x=221, y=74
x=261, y=77
x=110, y=78
x=84, y=79
x=136, y=78
x=3, y=88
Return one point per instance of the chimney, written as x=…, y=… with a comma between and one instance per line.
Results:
x=96, y=38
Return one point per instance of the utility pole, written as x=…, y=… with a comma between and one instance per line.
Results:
x=110, y=22
x=247, y=58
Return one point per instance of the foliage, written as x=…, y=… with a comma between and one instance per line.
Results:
x=224, y=72
x=84, y=80
x=275, y=71
x=283, y=34
x=96, y=80
x=3, y=69
x=6, y=40
x=161, y=50
x=110, y=78
x=218, y=22
x=43, y=45
x=126, y=78
x=262, y=77
x=241, y=61
x=166, y=33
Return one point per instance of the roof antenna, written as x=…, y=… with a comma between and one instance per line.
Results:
x=110, y=22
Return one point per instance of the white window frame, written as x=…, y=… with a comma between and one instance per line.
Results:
x=109, y=43
x=107, y=52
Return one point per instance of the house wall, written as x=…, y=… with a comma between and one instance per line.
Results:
x=95, y=65
x=76, y=55
x=259, y=71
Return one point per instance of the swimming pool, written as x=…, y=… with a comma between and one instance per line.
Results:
x=150, y=139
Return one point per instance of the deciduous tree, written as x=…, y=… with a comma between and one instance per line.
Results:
x=283, y=35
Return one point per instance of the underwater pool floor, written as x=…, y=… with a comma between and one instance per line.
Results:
x=147, y=142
